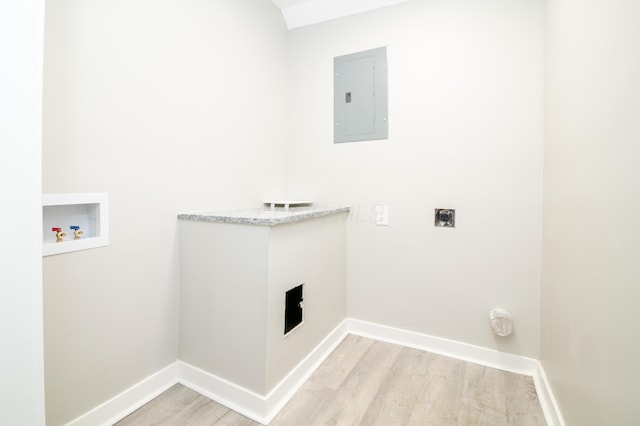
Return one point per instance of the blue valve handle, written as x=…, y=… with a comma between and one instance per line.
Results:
x=74, y=227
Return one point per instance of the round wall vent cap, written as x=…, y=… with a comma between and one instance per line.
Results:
x=501, y=322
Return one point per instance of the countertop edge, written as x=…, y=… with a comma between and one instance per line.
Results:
x=295, y=216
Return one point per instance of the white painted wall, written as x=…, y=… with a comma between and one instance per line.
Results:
x=155, y=97
x=168, y=106
x=21, y=359
x=466, y=131
x=590, y=291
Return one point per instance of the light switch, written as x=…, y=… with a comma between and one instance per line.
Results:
x=382, y=215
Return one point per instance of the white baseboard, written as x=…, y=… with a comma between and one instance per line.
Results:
x=451, y=348
x=293, y=381
x=237, y=398
x=125, y=403
x=466, y=352
x=263, y=409
x=548, y=402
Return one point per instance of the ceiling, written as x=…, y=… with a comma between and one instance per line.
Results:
x=286, y=3
x=298, y=13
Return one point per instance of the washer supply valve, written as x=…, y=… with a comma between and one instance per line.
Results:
x=77, y=232
x=60, y=235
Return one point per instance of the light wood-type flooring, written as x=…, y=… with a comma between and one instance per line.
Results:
x=367, y=382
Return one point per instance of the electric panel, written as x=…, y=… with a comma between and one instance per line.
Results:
x=360, y=96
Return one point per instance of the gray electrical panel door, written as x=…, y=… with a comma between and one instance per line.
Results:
x=360, y=96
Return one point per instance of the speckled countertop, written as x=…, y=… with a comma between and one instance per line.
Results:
x=264, y=215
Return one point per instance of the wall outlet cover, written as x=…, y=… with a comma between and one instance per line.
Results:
x=382, y=215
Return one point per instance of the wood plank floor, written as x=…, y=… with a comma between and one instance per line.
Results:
x=367, y=382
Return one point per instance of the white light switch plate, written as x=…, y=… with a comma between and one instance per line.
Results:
x=382, y=215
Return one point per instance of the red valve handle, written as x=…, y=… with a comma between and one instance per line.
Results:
x=56, y=229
